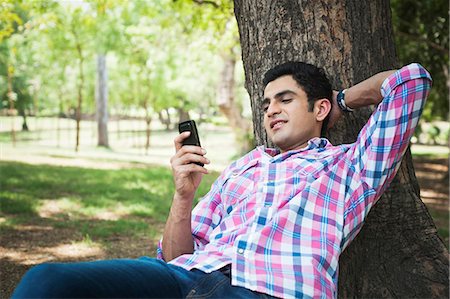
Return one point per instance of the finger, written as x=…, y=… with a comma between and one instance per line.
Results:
x=189, y=158
x=190, y=149
x=189, y=154
x=178, y=141
x=192, y=168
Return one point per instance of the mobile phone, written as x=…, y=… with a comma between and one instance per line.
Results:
x=193, y=139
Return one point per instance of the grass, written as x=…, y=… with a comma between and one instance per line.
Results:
x=430, y=151
x=99, y=203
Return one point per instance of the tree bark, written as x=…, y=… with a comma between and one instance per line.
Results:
x=398, y=252
x=102, y=101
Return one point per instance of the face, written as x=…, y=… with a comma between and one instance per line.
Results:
x=287, y=121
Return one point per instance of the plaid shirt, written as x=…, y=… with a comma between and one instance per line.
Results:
x=282, y=219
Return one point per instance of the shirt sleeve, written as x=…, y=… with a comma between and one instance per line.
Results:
x=206, y=215
x=376, y=155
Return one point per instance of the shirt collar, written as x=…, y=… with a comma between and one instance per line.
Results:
x=314, y=146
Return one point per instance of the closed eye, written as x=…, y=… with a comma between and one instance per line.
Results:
x=265, y=107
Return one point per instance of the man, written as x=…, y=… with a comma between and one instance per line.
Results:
x=276, y=221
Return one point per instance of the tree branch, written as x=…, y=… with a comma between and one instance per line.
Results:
x=207, y=2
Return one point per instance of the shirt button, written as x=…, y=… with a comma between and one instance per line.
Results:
x=240, y=250
x=234, y=174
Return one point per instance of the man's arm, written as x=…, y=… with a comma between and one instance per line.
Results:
x=365, y=93
x=376, y=155
x=177, y=238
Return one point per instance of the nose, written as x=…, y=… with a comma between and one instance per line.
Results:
x=273, y=108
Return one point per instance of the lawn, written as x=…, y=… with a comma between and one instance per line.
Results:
x=99, y=203
x=55, y=213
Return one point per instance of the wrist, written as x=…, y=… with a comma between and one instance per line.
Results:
x=180, y=211
x=184, y=197
x=182, y=201
x=340, y=99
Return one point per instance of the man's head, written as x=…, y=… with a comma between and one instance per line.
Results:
x=297, y=102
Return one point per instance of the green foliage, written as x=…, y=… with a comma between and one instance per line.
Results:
x=160, y=54
x=421, y=31
x=9, y=19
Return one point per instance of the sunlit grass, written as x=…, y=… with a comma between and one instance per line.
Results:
x=97, y=203
x=430, y=151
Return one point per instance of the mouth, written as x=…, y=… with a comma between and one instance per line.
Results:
x=276, y=124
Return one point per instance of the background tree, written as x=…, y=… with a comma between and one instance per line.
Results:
x=108, y=36
x=71, y=25
x=14, y=89
x=422, y=34
x=217, y=19
x=397, y=253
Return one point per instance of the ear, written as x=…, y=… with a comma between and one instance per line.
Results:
x=322, y=108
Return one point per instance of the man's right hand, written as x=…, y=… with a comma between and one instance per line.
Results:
x=187, y=175
x=335, y=112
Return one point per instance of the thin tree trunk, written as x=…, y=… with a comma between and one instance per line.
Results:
x=102, y=101
x=80, y=89
x=183, y=115
x=227, y=105
x=23, y=113
x=11, y=98
x=60, y=113
x=165, y=120
x=148, y=121
x=398, y=252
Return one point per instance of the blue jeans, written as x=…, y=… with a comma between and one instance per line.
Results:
x=126, y=278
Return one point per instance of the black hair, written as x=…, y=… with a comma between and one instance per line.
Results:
x=310, y=78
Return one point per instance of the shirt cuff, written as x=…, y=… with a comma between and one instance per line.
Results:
x=409, y=72
x=159, y=251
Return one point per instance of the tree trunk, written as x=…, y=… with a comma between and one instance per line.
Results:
x=11, y=98
x=148, y=122
x=102, y=101
x=227, y=105
x=398, y=252
x=79, y=104
x=165, y=120
x=183, y=115
x=80, y=88
x=23, y=113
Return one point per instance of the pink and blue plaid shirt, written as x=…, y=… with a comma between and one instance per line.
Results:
x=282, y=219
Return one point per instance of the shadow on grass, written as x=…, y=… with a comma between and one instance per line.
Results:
x=32, y=241
x=50, y=213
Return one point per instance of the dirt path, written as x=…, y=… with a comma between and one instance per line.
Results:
x=38, y=241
